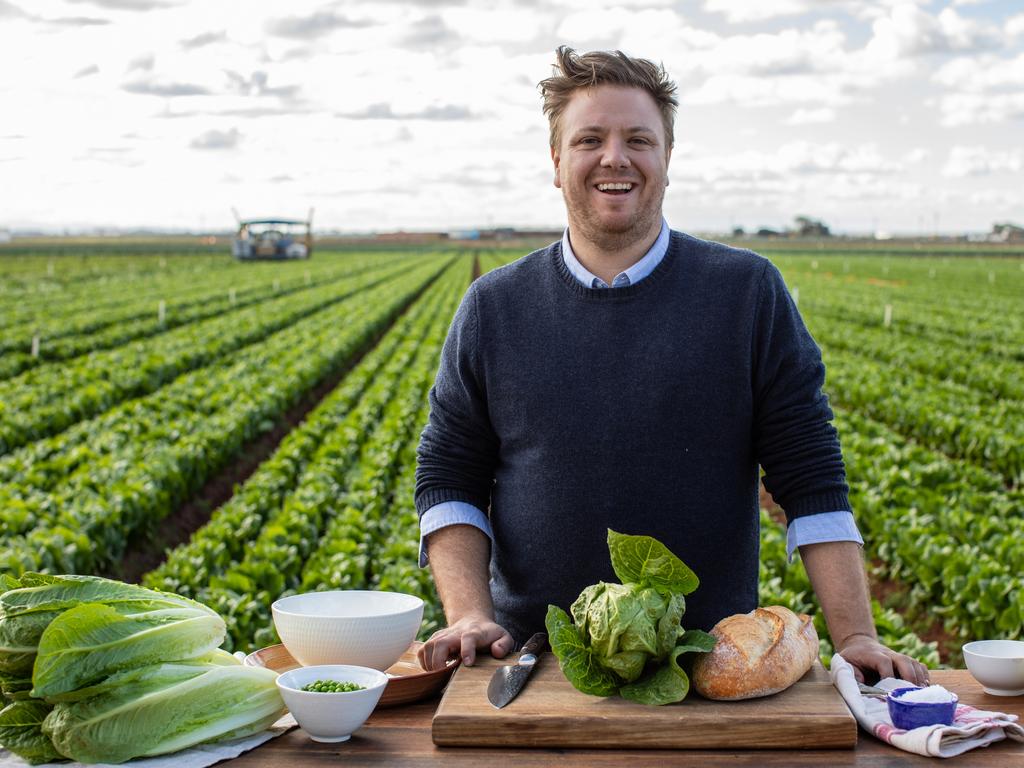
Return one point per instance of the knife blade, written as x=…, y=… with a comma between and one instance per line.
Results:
x=508, y=681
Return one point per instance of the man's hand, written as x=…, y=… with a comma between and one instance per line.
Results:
x=463, y=638
x=867, y=654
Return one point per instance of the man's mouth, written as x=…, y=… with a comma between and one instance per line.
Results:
x=616, y=187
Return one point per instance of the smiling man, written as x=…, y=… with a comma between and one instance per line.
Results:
x=635, y=378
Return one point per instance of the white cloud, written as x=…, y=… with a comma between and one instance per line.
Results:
x=981, y=89
x=805, y=116
x=967, y=161
x=916, y=155
x=738, y=11
x=909, y=31
x=793, y=159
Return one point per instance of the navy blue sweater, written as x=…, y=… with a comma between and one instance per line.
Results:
x=565, y=411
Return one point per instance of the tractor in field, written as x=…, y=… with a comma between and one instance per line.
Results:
x=273, y=239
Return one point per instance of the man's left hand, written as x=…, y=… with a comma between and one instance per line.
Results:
x=866, y=654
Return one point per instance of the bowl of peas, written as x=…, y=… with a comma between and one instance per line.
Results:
x=331, y=701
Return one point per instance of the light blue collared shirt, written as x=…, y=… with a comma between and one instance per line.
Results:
x=812, y=529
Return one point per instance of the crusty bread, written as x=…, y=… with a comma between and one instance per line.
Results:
x=757, y=654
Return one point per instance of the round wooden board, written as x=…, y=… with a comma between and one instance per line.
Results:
x=409, y=681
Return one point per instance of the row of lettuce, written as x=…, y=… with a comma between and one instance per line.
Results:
x=68, y=327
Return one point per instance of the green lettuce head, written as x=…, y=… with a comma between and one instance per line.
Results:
x=627, y=637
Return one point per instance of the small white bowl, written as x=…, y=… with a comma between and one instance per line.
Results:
x=998, y=665
x=331, y=717
x=361, y=627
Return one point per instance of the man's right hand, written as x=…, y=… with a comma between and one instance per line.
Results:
x=463, y=639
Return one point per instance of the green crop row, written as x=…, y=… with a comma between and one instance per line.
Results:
x=177, y=439
x=318, y=536
x=63, y=338
x=947, y=531
x=946, y=416
x=50, y=398
x=991, y=377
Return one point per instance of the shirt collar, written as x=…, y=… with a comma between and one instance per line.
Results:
x=630, y=276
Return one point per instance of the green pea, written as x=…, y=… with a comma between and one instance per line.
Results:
x=333, y=686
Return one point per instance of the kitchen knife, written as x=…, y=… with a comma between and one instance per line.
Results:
x=508, y=681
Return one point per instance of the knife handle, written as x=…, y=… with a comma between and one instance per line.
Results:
x=532, y=647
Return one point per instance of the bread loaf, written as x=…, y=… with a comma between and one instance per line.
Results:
x=757, y=654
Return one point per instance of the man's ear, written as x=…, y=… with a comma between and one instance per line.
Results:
x=556, y=158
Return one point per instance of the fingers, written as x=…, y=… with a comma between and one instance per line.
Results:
x=501, y=647
x=911, y=670
x=434, y=653
x=462, y=639
x=882, y=664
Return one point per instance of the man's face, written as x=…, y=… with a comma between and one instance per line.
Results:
x=611, y=163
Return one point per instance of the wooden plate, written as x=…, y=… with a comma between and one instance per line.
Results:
x=409, y=681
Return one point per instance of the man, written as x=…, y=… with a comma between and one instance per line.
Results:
x=634, y=378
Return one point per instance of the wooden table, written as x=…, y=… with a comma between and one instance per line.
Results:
x=400, y=736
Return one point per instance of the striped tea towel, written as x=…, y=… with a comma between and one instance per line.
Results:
x=971, y=727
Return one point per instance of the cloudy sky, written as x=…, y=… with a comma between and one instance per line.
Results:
x=400, y=114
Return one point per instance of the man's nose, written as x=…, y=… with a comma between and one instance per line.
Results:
x=615, y=155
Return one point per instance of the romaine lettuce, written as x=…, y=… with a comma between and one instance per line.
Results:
x=163, y=708
x=627, y=637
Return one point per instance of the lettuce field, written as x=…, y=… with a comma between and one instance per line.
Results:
x=234, y=432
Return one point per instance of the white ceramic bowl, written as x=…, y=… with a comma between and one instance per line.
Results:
x=365, y=628
x=998, y=665
x=331, y=716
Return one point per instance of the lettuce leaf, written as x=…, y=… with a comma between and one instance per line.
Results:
x=21, y=731
x=36, y=599
x=164, y=708
x=646, y=561
x=91, y=641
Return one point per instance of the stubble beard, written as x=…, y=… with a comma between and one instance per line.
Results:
x=585, y=221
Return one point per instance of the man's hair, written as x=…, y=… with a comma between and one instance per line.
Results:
x=574, y=71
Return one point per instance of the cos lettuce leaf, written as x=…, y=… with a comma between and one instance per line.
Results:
x=32, y=602
x=92, y=641
x=164, y=708
x=21, y=731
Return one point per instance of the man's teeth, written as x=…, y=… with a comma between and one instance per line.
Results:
x=609, y=187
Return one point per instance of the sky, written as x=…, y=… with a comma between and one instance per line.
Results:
x=888, y=116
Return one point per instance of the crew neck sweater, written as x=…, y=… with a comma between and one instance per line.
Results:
x=531, y=419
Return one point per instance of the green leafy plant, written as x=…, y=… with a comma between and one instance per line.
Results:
x=101, y=671
x=627, y=638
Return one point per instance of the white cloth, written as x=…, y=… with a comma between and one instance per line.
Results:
x=195, y=757
x=971, y=727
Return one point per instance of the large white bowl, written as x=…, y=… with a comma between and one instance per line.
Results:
x=365, y=628
x=331, y=717
x=998, y=665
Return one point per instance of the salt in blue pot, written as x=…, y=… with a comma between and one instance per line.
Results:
x=909, y=715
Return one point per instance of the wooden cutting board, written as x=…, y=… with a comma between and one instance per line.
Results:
x=549, y=712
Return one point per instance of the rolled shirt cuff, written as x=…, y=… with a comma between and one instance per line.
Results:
x=450, y=513
x=819, y=528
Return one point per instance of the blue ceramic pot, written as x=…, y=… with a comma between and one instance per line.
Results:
x=909, y=715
